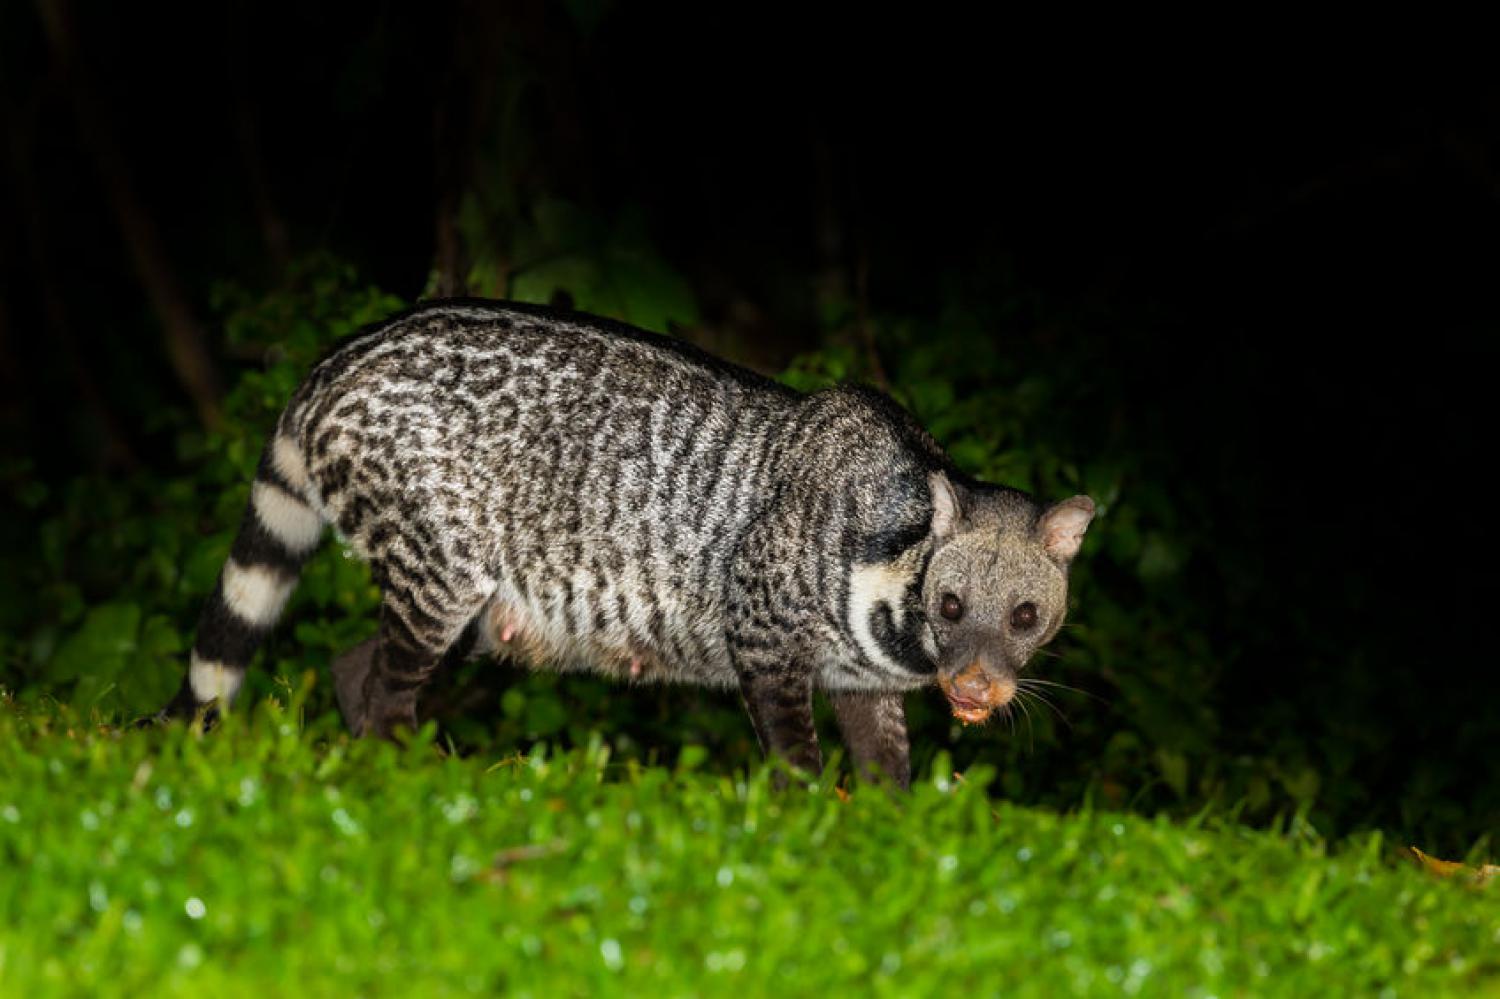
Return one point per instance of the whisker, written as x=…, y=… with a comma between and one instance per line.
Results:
x=1041, y=689
x=1062, y=715
x=1028, y=681
x=1020, y=702
x=1039, y=682
x=1047, y=701
x=1042, y=699
x=1031, y=681
x=1043, y=696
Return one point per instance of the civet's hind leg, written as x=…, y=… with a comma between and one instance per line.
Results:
x=351, y=671
x=410, y=646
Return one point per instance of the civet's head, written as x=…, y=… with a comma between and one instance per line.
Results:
x=996, y=589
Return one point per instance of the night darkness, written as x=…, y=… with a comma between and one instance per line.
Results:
x=1276, y=275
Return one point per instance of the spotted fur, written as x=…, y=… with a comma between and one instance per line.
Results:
x=569, y=492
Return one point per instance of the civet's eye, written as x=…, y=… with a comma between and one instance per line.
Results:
x=952, y=607
x=1023, y=618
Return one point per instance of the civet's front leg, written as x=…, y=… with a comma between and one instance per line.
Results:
x=780, y=707
x=874, y=730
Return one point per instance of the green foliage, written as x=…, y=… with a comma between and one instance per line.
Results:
x=528, y=243
x=609, y=270
x=114, y=646
x=272, y=859
x=119, y=568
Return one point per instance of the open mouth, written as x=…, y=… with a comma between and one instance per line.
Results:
x=974, y=693
x=969, y=712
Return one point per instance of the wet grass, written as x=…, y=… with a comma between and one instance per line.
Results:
x=273, y=858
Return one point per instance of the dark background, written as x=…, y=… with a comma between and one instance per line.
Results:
x=1270, y=276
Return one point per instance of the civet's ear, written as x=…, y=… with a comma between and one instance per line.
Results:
x=1061, y=528
x=946, y=511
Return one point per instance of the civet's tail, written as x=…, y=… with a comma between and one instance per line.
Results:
x=280, y=530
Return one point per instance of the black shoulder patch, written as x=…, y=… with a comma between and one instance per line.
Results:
x=903, y=645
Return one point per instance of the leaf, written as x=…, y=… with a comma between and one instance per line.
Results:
x=573, y=273
x=1303, y=785
x=156, y=668
x=691, y=758
x=1174, y=770
x=650, y=293
x=100, y=647
x=204, y=561
x=545, y=715
x=1480, y=876
x=1160, y=557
